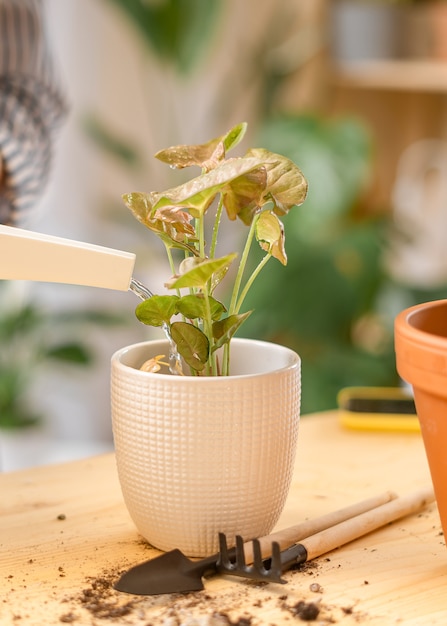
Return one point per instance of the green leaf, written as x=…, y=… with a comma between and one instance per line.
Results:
x=270, y=235
x=157, y=310
x=192, y=344
x=201, y=273
x=224, y=330
x=193, y=306
x=217, y=308
x=234, y=136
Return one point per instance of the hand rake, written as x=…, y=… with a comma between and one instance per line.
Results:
x=173, y=572
x=270, y=570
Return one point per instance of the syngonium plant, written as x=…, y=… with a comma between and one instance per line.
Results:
x=257, y=189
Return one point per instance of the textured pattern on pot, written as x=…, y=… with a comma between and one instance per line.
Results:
x=201, y=455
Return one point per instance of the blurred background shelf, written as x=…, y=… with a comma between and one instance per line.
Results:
x=348, y=108
x=392, y=74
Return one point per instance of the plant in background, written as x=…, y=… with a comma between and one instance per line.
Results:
x=257, y=188
x=335, y=314
x=179, y=32
x=31, y=336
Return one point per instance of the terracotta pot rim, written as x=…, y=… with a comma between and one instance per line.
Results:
x=404, y=326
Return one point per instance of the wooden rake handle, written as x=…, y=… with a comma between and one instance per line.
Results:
x=362, y=524
x=289, y=536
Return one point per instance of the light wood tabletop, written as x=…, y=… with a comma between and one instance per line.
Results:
x=65, y=536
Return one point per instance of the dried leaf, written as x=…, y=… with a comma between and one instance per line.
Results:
x=154, y=365
x=197, y=194
x=286, y=186
x=207, y=155
x=177, y=219
x=242, y=197
x=170, y=223
x=270, y=235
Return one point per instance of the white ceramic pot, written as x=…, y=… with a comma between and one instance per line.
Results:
x=202, y=455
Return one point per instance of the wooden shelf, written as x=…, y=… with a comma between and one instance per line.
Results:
x=397, y=75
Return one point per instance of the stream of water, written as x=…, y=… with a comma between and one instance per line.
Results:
x=175, y=363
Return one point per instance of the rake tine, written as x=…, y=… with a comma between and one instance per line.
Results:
x=224, y=558
x=276, y=564
x=240, y=554
x=268, y=570
x=258, y=564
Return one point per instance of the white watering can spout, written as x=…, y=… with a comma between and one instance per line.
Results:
x=27, y=255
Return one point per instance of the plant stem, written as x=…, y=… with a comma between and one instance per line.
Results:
x=207, y=321
x=242, y=264
x=226, y=360
x=251, y=280
x=216, y=228
x=208, y=329
x=171, y=264
x=235, y=300
x=200, y=228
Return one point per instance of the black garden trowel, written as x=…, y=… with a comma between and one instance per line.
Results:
x=173, y=572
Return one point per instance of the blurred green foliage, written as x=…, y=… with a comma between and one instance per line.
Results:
x=177, y=31
x=334, y=302
x=31, y=336
x=329, y=292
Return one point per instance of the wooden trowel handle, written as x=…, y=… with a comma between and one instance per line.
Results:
x=26, y=255
x=360, y=525
x=294, y=534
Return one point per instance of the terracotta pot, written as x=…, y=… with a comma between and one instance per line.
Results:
x=199, y=455
x=421, y=357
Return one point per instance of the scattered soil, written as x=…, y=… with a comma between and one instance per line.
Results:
x=106, y=605
x=100, y=599
x=307, y=611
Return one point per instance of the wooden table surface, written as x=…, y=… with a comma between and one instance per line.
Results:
x=65, y=535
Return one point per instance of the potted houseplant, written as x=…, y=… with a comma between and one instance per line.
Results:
x=205, y=424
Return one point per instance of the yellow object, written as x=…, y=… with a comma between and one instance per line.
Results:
x=377, y=408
